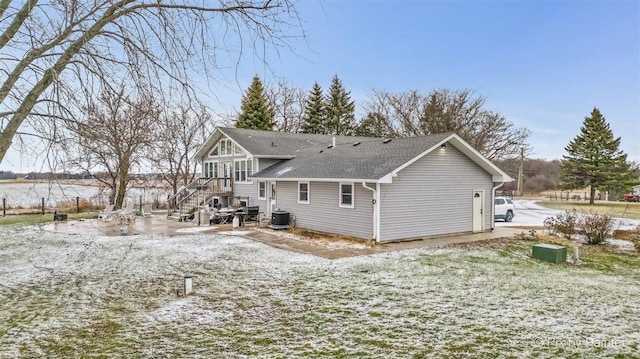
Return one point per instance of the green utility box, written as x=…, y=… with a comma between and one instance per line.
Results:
x=550, y=253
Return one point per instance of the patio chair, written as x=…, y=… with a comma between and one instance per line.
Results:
x=127, y=212
x=253, y=212
x=107, y=213
x=146, y=210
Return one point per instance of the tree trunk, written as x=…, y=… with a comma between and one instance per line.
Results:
x=592, y=197
x=122, y=188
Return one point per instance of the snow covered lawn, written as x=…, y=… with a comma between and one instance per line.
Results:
x=76, y=296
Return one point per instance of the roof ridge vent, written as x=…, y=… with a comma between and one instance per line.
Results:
x=386, y=140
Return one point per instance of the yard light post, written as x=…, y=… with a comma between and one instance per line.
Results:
x=188, y=284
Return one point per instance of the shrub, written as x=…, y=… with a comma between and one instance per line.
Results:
x=635, y=238
x=563, y=224
x=596, y=227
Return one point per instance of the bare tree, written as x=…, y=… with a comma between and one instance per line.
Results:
x=52, y=47
x=113, y=137
x=287, y=103
x=180, y=132
x=413, y=114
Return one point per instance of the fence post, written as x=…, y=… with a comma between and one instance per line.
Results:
x=4, y=207
x=43, y=205
x=140, y=203
x=77, y=204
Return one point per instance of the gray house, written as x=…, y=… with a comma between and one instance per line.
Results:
x=369, y=188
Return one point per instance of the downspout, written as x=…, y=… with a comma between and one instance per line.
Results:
x=374, y=201
x=493, y=205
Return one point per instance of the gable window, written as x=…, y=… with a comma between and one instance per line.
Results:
x=262, y=190
x=214, y=151
x=303, y=192
x=346, y=195
x=243, y=169
x=226, y=147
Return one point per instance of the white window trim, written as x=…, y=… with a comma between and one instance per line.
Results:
x=215, y=149
x=248, y=171
x=228, y=148
x=308, y=192
x=265, y=190
x=353, y=195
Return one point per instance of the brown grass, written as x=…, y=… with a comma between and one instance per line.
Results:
x=616, y=209
x=325, y=238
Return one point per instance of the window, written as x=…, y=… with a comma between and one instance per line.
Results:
x=242, y=170
x=210, y=169
x=499, y=201
x=303, y=192
x=214, y=152
x=346, y=195
x=226, y=147
x=262, y=190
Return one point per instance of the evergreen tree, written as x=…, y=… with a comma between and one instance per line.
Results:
x=340, y=109
x=256, y=113
x=314, y=119
x=373, y=125
x=594, y=159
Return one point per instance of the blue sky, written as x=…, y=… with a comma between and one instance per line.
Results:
x=543, y=65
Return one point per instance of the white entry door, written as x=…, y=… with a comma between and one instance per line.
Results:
x=272, y=198
x=478, y=212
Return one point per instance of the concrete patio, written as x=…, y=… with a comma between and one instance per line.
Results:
x=158, y=224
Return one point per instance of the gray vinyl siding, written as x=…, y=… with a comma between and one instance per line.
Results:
x=251, y=190
x=246, y=190
x=323, y=212
x=260, y=164
x=434, y=196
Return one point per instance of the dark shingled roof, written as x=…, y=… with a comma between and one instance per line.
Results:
x=281, y=144
x=372, y=159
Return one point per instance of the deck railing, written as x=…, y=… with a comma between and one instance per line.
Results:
x=199, y=192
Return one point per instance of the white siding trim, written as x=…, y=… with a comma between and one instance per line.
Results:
x=265, y=190
x=353, y=195
x=308, y=193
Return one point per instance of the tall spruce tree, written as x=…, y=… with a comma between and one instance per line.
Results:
x=256, y=113
x=594, y=159
x=314, y=119
x=340, y=109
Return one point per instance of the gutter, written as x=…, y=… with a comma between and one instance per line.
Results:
x=493, y=205
x=376, y=210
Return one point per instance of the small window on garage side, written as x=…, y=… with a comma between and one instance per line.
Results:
x=262, y=190
x=303, y=192
x=346, y=195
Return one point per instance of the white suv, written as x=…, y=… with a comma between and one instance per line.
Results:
x=505, y=209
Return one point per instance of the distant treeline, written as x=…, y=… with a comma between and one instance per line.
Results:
x=538, y=174
x=44, y=175
x=63, y=176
